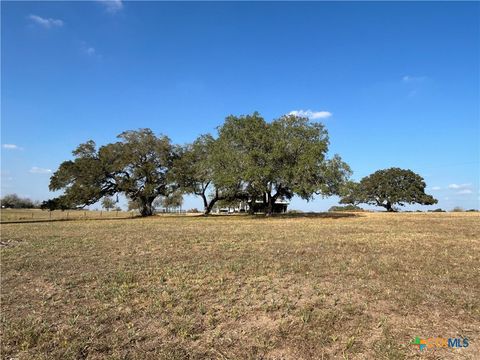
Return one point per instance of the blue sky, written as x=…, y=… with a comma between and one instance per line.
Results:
x=396, y=84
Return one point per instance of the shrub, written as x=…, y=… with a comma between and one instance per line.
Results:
x=437, y=210
x=345, y=208
x=294, y=211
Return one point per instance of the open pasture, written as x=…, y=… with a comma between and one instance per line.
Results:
x=29, y=215
x=350, y=286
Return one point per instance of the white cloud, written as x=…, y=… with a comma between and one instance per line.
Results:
x=38, y=170
x=311, y=114
x=413, y=79
x=112, y=6
x=465, y=192
x=90, y=51
x=46, y=23
x=459, y=186
x=11, y=147
x=436, y=188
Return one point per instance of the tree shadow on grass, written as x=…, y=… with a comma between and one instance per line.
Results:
x=261, y=216
x=320, y=215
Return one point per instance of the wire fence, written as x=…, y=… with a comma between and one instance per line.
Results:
x=36, y=215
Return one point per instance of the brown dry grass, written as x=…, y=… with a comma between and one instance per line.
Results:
x=30, y=215
x=241, y=288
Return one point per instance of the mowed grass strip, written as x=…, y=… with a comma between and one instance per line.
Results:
x=234, y=287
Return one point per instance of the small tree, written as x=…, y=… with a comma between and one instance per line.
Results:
x=388, y=188
x=173, y=200
x=132, y=205
x=108, y=203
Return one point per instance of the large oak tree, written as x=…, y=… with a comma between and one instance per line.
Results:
x=389, y=187
x=267, y=161
x=136, y=166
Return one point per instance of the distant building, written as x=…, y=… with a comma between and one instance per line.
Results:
x=279, y=207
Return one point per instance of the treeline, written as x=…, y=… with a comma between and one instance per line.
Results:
x=249, y=160
x=13, y=201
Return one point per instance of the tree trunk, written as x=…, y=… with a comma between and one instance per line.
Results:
x=270, y=201
x=389, y=207
x=146, y=207
x=206, y=209
x=251, y=209
x=209, y=206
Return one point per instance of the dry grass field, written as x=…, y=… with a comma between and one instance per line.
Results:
x=235, y=287
x=29, y=215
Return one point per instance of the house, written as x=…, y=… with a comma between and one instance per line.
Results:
x=279, y=207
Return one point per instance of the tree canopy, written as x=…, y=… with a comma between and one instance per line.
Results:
x=136, y=166
x=193, y=171
x=250, y=160
x=256, y=160
x=389, y=187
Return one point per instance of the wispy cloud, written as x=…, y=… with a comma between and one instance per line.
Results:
x=436, y=188
x=11, y=147
x=414, y=84
x=46, y=23
x=413, y=79
x=39, y=170
x=90, y=51
x=459, y=186
x=112, y=6
x=311, y=114
x=465, y=192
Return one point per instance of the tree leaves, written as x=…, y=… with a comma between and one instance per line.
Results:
x=389, y=187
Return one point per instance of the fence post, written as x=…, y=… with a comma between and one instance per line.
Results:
x=50, y=214
x=67, y=214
